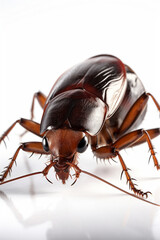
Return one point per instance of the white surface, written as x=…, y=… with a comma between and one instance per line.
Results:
x=39, y=40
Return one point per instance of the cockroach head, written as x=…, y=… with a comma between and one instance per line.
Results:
x=64, y=145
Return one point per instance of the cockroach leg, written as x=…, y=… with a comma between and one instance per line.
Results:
x=151, y=149
x=146, y=136
x=8, y=131
x=132, y=115
x=130, y=180
x=34, y=147
x=77, y=169
x=155, y=101
x=41, y=98
x=129, y=139
x=127, y=169
x=29, y=125
x=136, y=137
x=154, y=132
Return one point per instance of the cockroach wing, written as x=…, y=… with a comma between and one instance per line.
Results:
x=76, y=109
x=106, y=78
x=83, y=95
x=103, y=75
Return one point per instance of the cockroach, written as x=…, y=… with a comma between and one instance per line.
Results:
x=100, y=102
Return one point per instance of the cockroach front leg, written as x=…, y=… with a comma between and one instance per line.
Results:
x=33, y=147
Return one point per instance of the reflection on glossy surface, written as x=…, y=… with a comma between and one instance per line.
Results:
x=87, y=210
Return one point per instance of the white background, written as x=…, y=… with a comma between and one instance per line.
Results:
x=39, y=40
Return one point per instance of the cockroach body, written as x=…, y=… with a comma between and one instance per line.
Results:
x=99, y=102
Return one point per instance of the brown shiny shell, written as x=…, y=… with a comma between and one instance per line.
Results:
x=84, y=96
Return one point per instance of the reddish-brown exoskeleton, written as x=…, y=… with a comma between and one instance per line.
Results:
x=98, y=102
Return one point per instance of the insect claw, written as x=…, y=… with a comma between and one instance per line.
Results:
x=146, y=194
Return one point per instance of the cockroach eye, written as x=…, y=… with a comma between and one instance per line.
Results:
x=83, y=144
x=45, y=144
